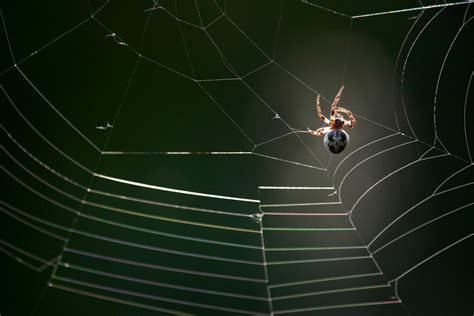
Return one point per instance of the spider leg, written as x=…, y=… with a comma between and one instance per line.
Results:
x=351, y=122
x=318, y=108
x=320, y=131
x=336, y=101
x=323, y=130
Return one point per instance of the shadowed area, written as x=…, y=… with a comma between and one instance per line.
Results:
x=156, y=158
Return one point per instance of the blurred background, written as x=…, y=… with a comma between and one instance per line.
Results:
x=155, y=159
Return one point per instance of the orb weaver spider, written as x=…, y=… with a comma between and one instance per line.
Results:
x=335, y=138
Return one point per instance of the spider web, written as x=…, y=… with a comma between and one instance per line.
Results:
x=155, y=159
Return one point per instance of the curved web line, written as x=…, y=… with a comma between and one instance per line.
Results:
x=465, y=117
x=439, y=78
x=396, y=65
x=406, y=61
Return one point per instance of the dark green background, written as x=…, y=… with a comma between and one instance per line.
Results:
x=157, y=88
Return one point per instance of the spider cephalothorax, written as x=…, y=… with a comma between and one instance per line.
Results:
x=335, y=138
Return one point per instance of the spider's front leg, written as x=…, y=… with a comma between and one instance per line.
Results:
x=351, y=122
x=320, y=114
x=336, y=101
x=320, y=131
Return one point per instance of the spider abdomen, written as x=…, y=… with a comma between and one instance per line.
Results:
x=336, y=140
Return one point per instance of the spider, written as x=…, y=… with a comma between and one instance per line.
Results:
x=335, y=138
